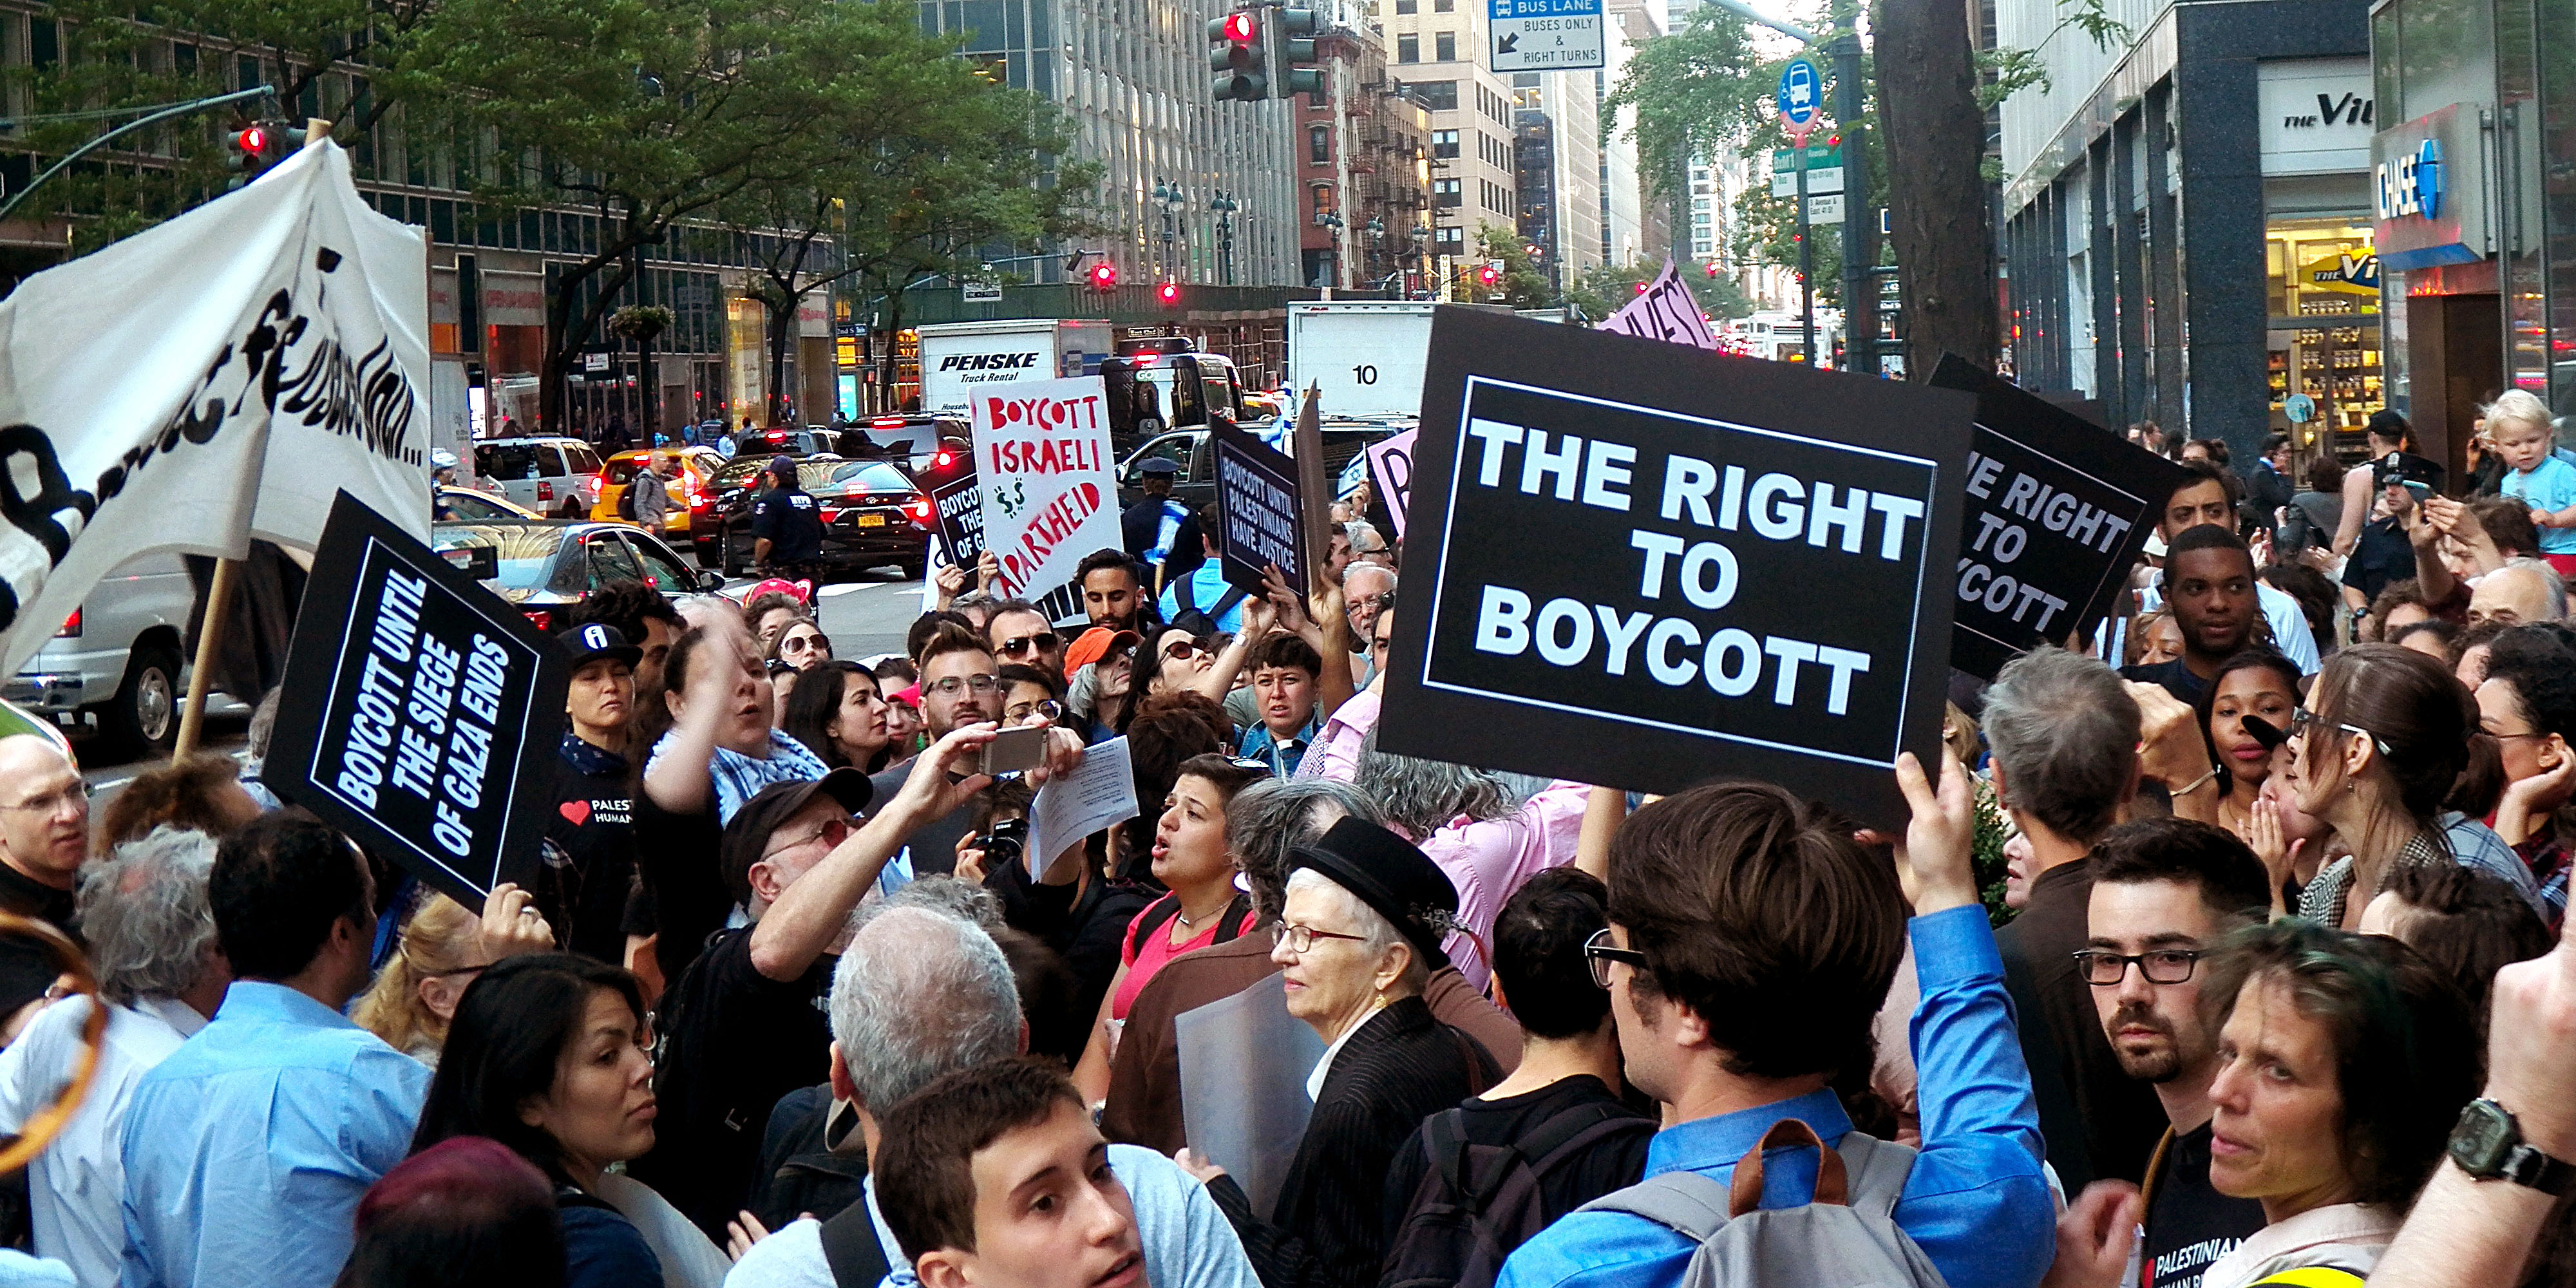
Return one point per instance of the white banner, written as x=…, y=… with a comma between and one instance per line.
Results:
x=147, y=390
x=1042, y=453
x=1665, y=311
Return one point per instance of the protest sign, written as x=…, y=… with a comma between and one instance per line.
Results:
x=214, y=380
x=1042, y=454
x=1666, y=310
x=2057, y=509
x=1260, y=519
x=1243, y=1064
x=1647, y=567
x=420, y=712
x=959, y=509
x=1390, y=464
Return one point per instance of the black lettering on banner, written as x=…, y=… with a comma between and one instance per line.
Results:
x=2057, y=509
x=1390, y=466
x=1260, y=518
x=960, y=514
x=417, y=706
x=1651, y=565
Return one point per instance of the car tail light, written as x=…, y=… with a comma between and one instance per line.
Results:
x=943, y=460
x=886, y=422
x=920, y=508
x=71, y=624
x=540, y=618
x=598, y=484
x=829, y=514
x=545, y=490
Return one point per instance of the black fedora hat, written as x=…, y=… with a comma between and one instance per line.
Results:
x=1389, y=874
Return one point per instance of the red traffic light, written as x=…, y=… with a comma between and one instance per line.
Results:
x=1712, y=268
x=1242, y=27
x=1103, y=276
x=1169, y=294
x=1487, y=275
x=252, y=140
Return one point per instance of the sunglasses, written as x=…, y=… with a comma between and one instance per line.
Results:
x=1180, y=651
x=802, y=644
x=831, y=834
x=1042, y=642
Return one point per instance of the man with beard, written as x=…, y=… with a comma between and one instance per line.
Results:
x=2164, y=892
x=2209, y=582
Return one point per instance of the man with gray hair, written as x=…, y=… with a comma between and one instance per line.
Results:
x=161, y=975
x=1263, y=823
x=918, y=994
x=2523, y=590
x=2066, y=733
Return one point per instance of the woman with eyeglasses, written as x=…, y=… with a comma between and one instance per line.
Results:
x=2527, y=703
x=2375, y=755
x=839, y=713
x=439, y=952
x=1203, y=905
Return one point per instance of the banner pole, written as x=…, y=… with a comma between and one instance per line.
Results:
x=219, y=602
x=1308, y=440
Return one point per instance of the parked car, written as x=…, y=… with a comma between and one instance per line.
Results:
x=554, y=476
x=546, y=567
x=1196, y=485
x=117, y=667
x=909, y=441
x=696, y=465
x=784, y=440
x=466, y=503
x=873, y=515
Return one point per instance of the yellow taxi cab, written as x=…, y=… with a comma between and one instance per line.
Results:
x=695, y=466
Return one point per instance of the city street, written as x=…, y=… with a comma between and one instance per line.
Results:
x=864, y=619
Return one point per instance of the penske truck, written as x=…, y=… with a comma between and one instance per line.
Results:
x=962, y=359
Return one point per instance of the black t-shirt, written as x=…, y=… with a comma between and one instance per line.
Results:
x=2175, y=676
x=29, y=897
x=2382, y=555
x=1614, y=1163
x=2189, y=1225
x=589, y=852
x=791, y=521
x=683, y=888
x=934, y=845
x=738, y=1040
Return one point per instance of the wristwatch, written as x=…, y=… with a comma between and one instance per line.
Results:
x=2487, y=1144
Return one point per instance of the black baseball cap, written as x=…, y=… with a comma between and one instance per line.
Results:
x=748, y=834
x=591, y=641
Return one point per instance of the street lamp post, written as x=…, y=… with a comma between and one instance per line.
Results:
x=1332, y=225
x=1224, y=206
x=1170, y=197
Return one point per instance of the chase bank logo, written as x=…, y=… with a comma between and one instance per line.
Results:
x=2411, y=185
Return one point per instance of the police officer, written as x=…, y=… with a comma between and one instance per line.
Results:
x=1151, y=524
x=786, y=524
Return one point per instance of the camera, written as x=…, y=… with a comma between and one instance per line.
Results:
x=1005, y=844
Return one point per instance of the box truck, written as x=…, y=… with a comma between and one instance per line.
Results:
x=962, y=359
x=1365, y=356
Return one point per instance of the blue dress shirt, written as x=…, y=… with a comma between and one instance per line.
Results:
x=246, y=1151
x=1976, y=1200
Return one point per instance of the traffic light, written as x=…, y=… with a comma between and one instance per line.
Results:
x=1298, y=73
x=1104, y=277
x=250, y=150
x=1712, y=268
x=1235, y=55
x=1168, y=295
x=1488, y=274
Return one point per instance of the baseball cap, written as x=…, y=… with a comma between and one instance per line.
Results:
x=1160, y=465
x=592, y=641
x=1095, y=644
x=783, y=466
x=748, y=834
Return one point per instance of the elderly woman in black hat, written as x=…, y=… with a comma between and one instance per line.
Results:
x=1359, y=936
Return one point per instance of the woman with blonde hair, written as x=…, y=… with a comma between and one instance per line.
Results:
x=441, y=949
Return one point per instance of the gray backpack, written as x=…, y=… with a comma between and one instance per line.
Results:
x=1846, y=1238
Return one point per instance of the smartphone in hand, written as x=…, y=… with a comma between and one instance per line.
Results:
x=1015, y=751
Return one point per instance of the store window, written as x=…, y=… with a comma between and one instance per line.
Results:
x=2323, y=268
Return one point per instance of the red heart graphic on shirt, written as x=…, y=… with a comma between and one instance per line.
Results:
x=576, y=811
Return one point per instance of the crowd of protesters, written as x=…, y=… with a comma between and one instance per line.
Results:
x=2223, y=949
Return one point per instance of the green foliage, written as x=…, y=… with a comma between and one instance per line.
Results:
x=1522, y=285
x=1702, y=89
x=1605, y=289
x=1987, y=854
x=1765, y=231
x=2002, y=73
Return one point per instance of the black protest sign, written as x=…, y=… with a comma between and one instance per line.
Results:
x=420, y=713
x=2057, y=510
x=960, y=514
x=1648, y=567
x=1260, y=522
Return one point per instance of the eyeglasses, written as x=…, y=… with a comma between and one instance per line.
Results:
x=1042, y=642
x=958, y=684
x=1179, y=650
x=2163, y=966
x=1251, y=766
x=1301, y=939
x=56, y=801
x=831, y=834
x=1599, y=952
x=1366, y=605
x=1042, y=711
x=2302, y=721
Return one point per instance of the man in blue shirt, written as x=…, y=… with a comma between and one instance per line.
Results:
x=246, y=1151
x=1752, y=946
x=1205, y=588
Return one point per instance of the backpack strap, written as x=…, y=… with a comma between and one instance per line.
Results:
x=1684, y=1202
x=1878, y=1170
x=1444, y=1139
x=1229, y=924
x=1225, y=604
x=851, y=1247
x=1575, y=1130
x=1156, y=915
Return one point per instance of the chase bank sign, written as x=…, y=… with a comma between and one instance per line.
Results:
x=2411, y=184
x=2429, y=190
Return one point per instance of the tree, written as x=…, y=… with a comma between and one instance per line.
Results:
x=1522, y=286
x=1936, y=187
x=1604, y=289
x=647, y=112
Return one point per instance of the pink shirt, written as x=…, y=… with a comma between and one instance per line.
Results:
x=1336, y=751
x=1142, y=960
x=1489, y=862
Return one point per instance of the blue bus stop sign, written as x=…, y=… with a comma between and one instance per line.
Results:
x=1801, y=97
